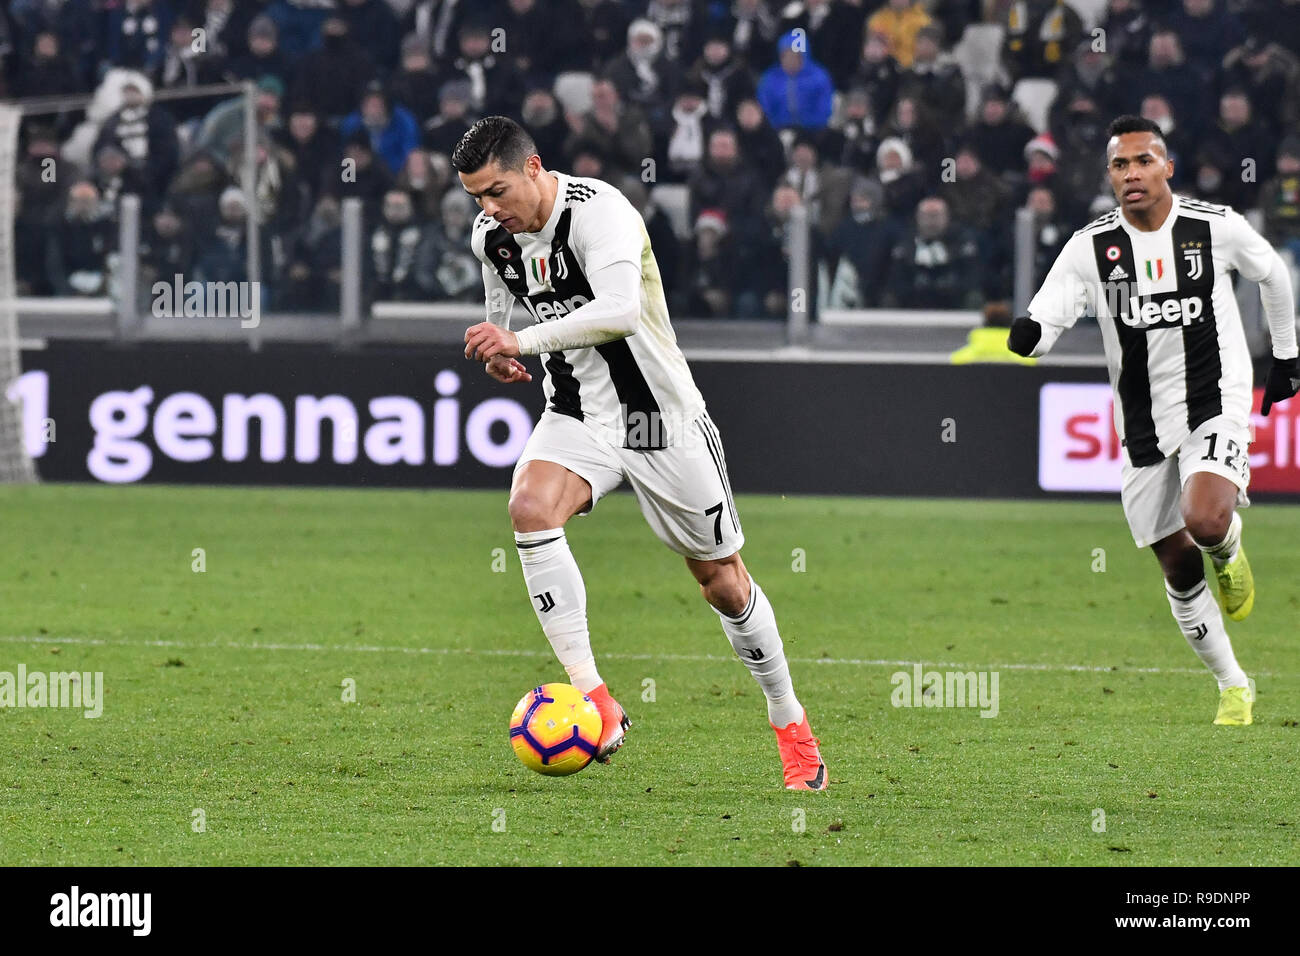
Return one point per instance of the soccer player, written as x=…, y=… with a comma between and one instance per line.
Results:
x=574, y=256
x=1155, y=273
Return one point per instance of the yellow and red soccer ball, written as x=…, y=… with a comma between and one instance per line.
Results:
x=555, y=729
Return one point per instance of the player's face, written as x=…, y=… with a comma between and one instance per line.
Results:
x=1139, y=170
x=510, y=196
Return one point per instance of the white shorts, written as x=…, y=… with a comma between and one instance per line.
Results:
x=683, y=489
x=1152, y=495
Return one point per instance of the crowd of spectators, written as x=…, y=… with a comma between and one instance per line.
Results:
x=856, y=110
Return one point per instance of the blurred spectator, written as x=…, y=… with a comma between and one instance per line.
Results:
x=416, y=85
x=77, y=26
x=1270, y=75
x=392, y=129
x=1041, y=157
x=225, y=123
x=1278, y=21
x=195, y=191
x=1128, y=33
x=879, y=75
x=766, y=292
x=263, y=56
x=797, y=91
x=397, y=244
x=1050, y=231
x=588, y=163
x=114, y=177
x=144, y=132
x=1156, y=108
x=618, y=133
x=37, y=175
x=752, y=28
x=859, y=251
x=711, y=267
x=31, y=227
x=332, y=77
x=1092, y=73
x=823, y=188
x=976, y=197
x=363, y=177
x=537, y=49
x=47, y=71
x=674, y=20
x=541, y=117
x=935, y=80
x=1212, y=170
x=1280, y=199
x=833, y=29
x=374, y=27
x=446, y=127
x=999, y=133
x=224, y=24
x=759, y=143
x=663, y=240
x=688, y=129
x=436, y=22
x=166, y=247
x=1168, y=74
x=315, y=271
x=135, y=34
x=605, y=25
x=1039, y=36
x=935, y=266
x=495, y=86
x=279, y=203
x=425, y=182
x=78, y=244
x=1207, y=32
x=727, y=180
x=853, y=142
x=222, y=254
x=726, y=78
x=899, y=21
x=903, y=183
x=316, y=150
x=1247, y=146
x=1079, y=132
x=914, y=126
x=642, y=73
x=457, y=273
x=183, y=66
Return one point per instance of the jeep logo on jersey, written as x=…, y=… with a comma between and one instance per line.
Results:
x=1164, y=310
x=545, y=308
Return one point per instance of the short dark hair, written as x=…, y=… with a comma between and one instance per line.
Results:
x=1129, y=123
x=493, y=138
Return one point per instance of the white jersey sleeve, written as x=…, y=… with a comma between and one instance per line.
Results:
x=607, y=229
x=1066, y=293
x=1245, y=250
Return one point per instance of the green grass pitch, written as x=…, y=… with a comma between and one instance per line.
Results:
x=225, y=738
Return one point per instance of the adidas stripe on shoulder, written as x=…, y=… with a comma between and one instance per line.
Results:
x=1101, y=222
x=1200, y=205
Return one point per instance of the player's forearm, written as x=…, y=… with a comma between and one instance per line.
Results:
x=1279, y=308
x=604, y=319
x=613, y=313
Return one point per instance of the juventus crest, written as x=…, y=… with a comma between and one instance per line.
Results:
x=1194, y=266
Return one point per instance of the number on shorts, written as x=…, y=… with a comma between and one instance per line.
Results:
x=1209, y=455
x=717, y=522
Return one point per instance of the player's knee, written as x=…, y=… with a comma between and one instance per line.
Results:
x=1208, y=525
x=1183, y=568
x=726, y=587
x=530, y=512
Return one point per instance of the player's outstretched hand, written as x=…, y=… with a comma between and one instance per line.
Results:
x=485, y=340
x=507, y=370
x=1283, y=381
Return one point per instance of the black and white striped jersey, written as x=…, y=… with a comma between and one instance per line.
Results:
x=637, y=391
x=1175, y=346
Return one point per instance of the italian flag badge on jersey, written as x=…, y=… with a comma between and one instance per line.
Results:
x=1155, y=268
x=539, y=269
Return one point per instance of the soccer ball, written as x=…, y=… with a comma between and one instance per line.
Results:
x=555, y=729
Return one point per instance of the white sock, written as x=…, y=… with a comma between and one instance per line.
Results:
x=1202, y=624
x=1225, y=550
x=559, y=599
x=757, y=643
